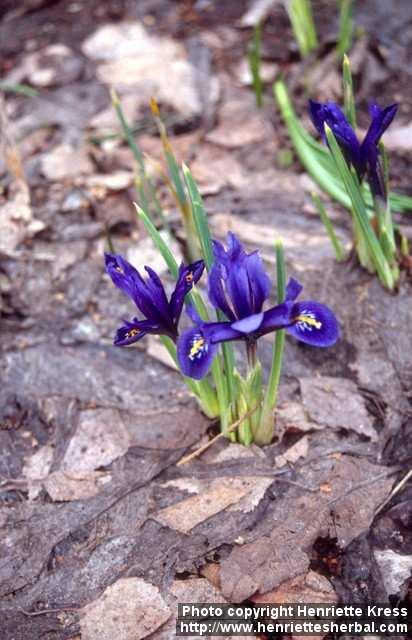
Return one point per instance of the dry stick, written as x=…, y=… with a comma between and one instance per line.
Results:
x=394, y=491
x=44, y=611
x=203, y=448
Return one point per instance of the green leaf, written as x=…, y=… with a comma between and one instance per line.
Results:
x=23, y=89
x=345, y=27
x=336, y=243
x=200, y=219
x=301, y=18
x=348, y=97
x=359, y=211
x=254, y=57
x=158, y=241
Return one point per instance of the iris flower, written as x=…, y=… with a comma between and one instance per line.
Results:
x=365, y=156
x=160, y=315
x=239, y=286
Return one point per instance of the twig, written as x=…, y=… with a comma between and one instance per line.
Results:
x=44, y=611
x=394, y=491
x=206, y=446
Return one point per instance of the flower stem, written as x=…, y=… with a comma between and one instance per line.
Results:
x=251, y=353
x=264, y=432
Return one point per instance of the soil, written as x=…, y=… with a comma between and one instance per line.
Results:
x=95, y=512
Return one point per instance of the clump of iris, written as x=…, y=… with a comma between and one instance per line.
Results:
x=237, y=289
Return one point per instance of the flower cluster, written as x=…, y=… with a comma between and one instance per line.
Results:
x=365, y=156
x=238, y=287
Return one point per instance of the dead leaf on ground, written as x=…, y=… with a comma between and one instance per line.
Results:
x=53, y=65
x=217, y=496
x=100, y=438
x=130, y=609
x=239, y=124
x=135, y=61
x=395, y=569
x=337, y=403
x=63, y=488
x=16, y=220
x=291, y=416
x=37, y=468
x=259, y=566
x=298, y=450
x=66, y=162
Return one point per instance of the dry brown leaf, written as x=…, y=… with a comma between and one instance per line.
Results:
x=100, y=438
x=336, y=403
x=296, y=451
x=64, y=488
x=211, y=571
x=395, y=570
x=130, y=609
x=306, y=588
x=147, y=65
x=36, y=469
x=220, y=494
x=291, y=416
x=65, y=162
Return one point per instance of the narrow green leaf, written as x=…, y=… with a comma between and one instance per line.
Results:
x=23, y=89
x=348, y=97
x=345, y=27
x=301, y=18
x=254, y=56
x=143, y=182
x=200, y=218
x=336, y=243
x=158, y=241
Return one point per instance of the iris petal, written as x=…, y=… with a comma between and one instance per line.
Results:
x=381, y=119
x=195, y=353
x=157, y=293
x=187, y=278
x=258, y=280
x=332, y=115
x=249, y=324
x=133, y=331
x=216, y=291
x=277, y=317
x=238, y=288
x=293, y=289
x=314, y=324
x=122, y=273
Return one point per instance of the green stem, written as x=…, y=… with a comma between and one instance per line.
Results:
x=264, y=432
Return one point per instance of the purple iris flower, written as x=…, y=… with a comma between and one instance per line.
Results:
x=161, y=316
x=239, y=286
x=365, y=156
